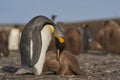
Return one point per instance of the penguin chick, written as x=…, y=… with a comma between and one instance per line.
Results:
x=73, y=40
x=51, y=63
x=67, y=64
x=3, y=44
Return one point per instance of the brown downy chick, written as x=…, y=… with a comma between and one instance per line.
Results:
x=67, y=64
x=51, y=63
x=3, y=44
x=73, y=40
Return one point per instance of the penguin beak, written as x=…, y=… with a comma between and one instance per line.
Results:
x=58, y=54
x=60, y=44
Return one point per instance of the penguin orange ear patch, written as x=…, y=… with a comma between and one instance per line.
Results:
x=51, y=28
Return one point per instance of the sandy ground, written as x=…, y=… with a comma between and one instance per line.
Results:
x=97, y=67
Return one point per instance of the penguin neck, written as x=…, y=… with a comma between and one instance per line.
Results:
x=46, y=38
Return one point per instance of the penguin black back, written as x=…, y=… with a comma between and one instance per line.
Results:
x=29, y=32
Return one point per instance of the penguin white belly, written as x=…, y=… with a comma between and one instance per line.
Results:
x=46, y=38
x=13, y=41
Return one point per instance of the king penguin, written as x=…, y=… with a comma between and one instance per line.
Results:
x=35, y=39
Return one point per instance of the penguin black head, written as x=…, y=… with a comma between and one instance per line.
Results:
x=84, y=25
x=59, y=41
x=60, y=44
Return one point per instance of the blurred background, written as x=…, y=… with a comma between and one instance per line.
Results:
x=21, y=11
x=15, y=14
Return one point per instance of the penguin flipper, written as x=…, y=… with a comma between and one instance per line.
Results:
x=24, y=50
x=37, y=43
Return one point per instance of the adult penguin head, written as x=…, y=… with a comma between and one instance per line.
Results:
x=59, y=41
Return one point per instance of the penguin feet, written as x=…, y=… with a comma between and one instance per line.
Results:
x=24, y=70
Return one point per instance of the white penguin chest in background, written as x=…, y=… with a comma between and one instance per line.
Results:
x=46, y=38
x=14, y=38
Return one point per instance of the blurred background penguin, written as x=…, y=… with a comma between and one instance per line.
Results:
x=3, y=44
x=14, y=38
